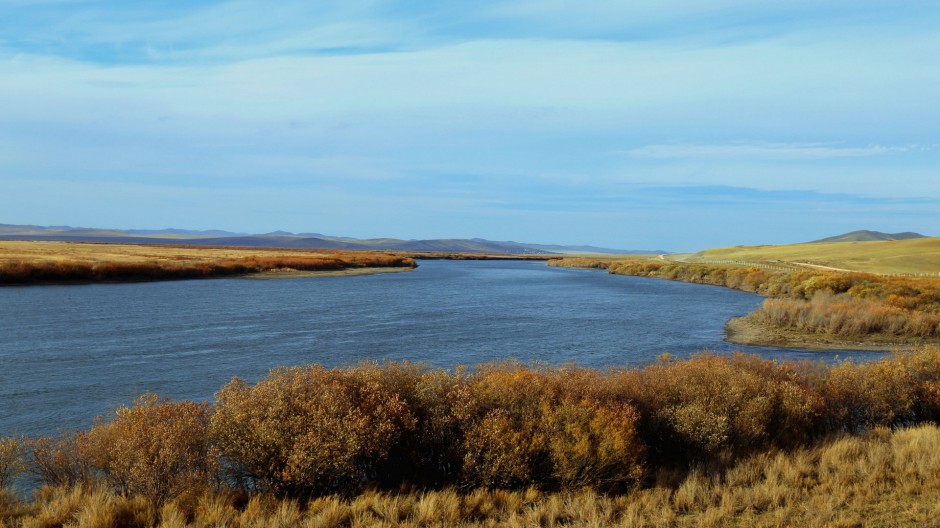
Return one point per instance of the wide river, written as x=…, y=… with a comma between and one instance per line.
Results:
x=70, y=353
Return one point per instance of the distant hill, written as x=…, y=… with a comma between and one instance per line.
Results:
x=182, y=232
x=868, y=236
x=290, y=240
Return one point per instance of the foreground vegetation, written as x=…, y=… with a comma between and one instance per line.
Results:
x=49, y=262
x=695, y=441
x=881, y=479
x=855, y=305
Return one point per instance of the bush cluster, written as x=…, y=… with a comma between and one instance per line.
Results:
x=310, y=431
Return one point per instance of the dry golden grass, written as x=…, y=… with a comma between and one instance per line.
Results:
x=915, y=256
x=11, y=251
x=885, y=478
x=36, y=262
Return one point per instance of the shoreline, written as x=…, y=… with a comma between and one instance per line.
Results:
x=743, y=331
x=297, y=274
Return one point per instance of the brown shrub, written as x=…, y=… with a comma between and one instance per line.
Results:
x=66, y=460
x=867, y=395
x=847, y=316
x=595, y=444
x=12, y=460
x=308, y=430
x=711, y=406
x=156, y=448
x=429, y=451
x=503, y=439
x=547, y=427
x=578, y=263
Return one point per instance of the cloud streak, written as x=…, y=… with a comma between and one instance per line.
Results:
x=764, y=151
x=520, y=108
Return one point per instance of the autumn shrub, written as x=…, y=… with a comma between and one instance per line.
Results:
x=155, y=448
x=525, y=426
x=860, y=396
x=711, y=407
x=847, y=316
x=923, y=365
x=595, y=444
x=68, y=459
x=579, y=263
x=429, y=450
x=307, y=430
x=12, y=460
x=504, y=442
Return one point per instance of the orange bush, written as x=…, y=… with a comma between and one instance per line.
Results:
x=12, y=460
x=155, y=448
x=553, y=427
x=595, y=444
x=863, y=396
x=711, y=406
x=66, y=460
x=847, y=316
x=308, y=430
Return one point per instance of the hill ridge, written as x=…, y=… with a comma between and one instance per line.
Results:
x=286, y=239
x=867, y=235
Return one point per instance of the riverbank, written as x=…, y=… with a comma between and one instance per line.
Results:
x=745, y=331
x=34, y=263
x=807, y=308
x=299, y=274
x=27, y=263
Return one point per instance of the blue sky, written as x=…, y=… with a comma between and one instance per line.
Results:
x=673, y=124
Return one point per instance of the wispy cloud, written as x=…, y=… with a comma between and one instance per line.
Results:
x=764, y=151
x=540, y=115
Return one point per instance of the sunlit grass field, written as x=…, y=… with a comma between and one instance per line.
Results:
x=97, y=253
x=25, y=262
x=915, y=256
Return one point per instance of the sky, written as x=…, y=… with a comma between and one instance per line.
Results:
x=674, y=125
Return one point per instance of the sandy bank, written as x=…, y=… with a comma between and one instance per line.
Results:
x=744, y=331
x=296, y=274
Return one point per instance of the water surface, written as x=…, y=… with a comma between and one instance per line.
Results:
x=69, y=353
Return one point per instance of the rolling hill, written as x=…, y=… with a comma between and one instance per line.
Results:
x=910, y=256
x=286, y=239
x=868, y=236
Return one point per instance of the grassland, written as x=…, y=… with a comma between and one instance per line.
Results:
x=26, y=262
x=709, y=441
x=915, y=256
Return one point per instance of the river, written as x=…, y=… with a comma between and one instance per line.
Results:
x=69, y=353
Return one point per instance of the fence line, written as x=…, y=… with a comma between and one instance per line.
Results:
x=796, y=266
